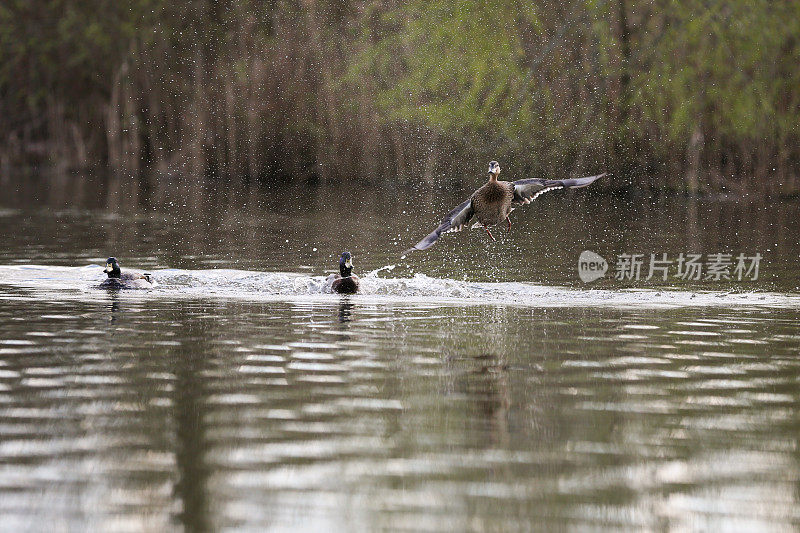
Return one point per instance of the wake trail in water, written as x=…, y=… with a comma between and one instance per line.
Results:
x=70, y=282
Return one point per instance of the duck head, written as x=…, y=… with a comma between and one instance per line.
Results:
x=346, y=264
x=112, y=268
x=494, y=169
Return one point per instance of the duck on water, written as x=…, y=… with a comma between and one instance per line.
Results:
x=493, y=202
x=345, y=282
x=119, y=280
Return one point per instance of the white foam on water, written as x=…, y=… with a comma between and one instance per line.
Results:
x=82, y=282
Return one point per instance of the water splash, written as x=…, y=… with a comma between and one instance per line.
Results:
x=374, y=273
x=81, y=282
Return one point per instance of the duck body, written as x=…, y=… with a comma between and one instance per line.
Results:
x=118, y=280
x=345, y=282
x=345, y=285
x=128, y=281
x=492, y=202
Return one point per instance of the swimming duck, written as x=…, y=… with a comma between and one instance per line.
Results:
x=345, y=282
x=494, y=201
x=117, y=280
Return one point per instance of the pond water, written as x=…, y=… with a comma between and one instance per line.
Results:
x=473, y=386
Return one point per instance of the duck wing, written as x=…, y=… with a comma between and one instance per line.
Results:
x=525, y=191
x=454, y=221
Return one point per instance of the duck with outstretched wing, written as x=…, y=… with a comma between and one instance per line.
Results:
x=494, y=201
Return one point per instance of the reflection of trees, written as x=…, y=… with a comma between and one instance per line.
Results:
x=485, y=382
x=190, y=410
x=181, y=428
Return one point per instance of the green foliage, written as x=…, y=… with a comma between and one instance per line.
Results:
x=467, y=69
x=464, y=88
x=730, y=68
x=64, y=48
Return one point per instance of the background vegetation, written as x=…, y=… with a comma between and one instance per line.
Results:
x=685, y=95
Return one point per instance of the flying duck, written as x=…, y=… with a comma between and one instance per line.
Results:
x=494, y=201
x=345, y=282
x=117, y=280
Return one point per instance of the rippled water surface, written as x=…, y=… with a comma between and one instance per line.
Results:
x=471, y=387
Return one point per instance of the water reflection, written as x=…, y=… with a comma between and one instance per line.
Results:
x=252, y=415
x=113, y=306
x=345, y=310
x=191, y=360
x=485, y=382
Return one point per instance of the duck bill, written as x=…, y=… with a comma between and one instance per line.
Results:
x=349, y=263
x=108, y=268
